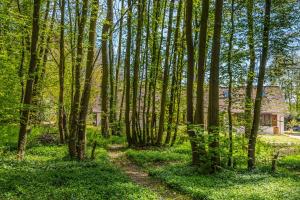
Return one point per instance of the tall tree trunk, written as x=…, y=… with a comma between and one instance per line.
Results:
x=229, y=71
x=190, y=82
x=260, y=85
x=166, y=75
x=141, y=5
x=29, y=84
x=76, y=99
x=145, y=127
x=112, y=98
x=174, y=74
x=152, y=83
x=42, y=45
x=213, y=107
x=61, y=73
x=21, y=71
x=87, y=83
x=127, y=75
x=199, y=113
x=105, y=69
x=178, y=91
x=118, y=67
x=72, y=38
x=48, y=41
x=251, y=73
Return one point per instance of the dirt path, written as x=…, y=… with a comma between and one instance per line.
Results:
x=135, y=173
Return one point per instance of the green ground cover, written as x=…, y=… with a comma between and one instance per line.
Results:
x=47, y=173
x=172, y=166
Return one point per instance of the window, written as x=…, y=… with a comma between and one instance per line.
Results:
x=225, y=93
x=265, y=120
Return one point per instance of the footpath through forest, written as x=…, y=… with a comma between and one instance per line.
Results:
x=137, y=175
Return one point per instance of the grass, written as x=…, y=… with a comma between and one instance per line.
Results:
x=279, y=139
x=229, y=184
x=172, y=166
x=47, y=173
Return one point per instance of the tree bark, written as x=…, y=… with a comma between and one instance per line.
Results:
x=174, y=74
x=105, y=69
x=141, y=5
x=25, y=110
x=260, y=85
x=190, y=82
x=127, y=75
x=229, y=71
x=76, y=99
x=251, y=73
x=213, y=107
x=199, y=113
x=166, y=75
x=84, y=104
x=118, y=68
x=61, y=73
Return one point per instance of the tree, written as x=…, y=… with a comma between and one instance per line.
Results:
x=175, y=66
x=81, y=19
x=213, y=106
x=105, y=68
x=229, y=71
x=190, y=82
x=199, y=113
x=61, y=127
x=260, y=86
x=84, y=103
x=127, y=75
x=251, y=73
x=165, y=78
x=25, y=110
x=141, y=5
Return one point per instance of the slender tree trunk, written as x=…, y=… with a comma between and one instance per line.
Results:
x=174, y=75
x=29, y=84
x=229, y=71
x=127, y=75
x=145, y=116
x=260, y=87
x=61, y=73
x=76, y=99
x=35, y=92
x=48, y=41
x=21, y=71
x=190, y=82
x=166, y=75
x=178, y=92
x=118, y=67
x=156, y=74
x=73, y=30
x=84, y=104
x=149, y=117
x=112, y=98
x=35, y=115
x=251, y=73
x=199, y=113
x=141, y=5
x=213, y=107
x=105, y=69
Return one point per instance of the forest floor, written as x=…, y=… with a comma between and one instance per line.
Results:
x=148, y=173
x=136, y=174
